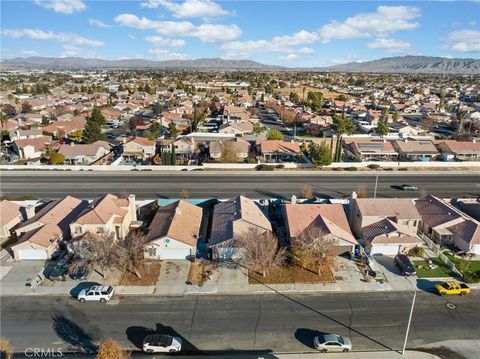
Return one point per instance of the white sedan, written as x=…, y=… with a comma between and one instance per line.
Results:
x=332, y=343
x=160, y=343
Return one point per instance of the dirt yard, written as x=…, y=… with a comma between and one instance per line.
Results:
x=291, y=274
x=150, y=273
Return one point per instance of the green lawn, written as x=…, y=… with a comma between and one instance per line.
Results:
x=474, y=265
x=441, y=271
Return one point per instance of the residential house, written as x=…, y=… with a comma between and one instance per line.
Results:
x=236, y=128
x=232, y=219
x=62, y=129
x=326, y=220
x=174, y=231
x=279, y=151
x=31, y=148
x=459, y=150
x=184, y=148
x=107, y=215
x=231, y=149
x=39, y=236
x=370, y=149
x=403, y=129
x=84, y=154
x=10, y=216
x=385, y=226
x=422, y=150
x=19, y=134
x=445, y=224
x=139, y=148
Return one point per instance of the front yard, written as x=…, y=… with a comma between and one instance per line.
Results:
x=150, y=273
x=474, y=266
x=291, y=274
x=441, y=270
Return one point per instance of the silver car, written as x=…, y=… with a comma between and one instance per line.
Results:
x=332, y=343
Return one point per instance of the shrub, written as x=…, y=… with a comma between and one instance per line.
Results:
x=416, y=252
x=280, y=166
x=6, y=349
x=337, y=169
x=471, y=277
x=265, y=168
x=403, y=169
x=351, y=168
x=388, y=169
x=110, y=349
x=373, y=166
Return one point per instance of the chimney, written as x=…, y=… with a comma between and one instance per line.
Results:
x=132, y=207
x=178, y=210
x=29, y=212
x=294, y=199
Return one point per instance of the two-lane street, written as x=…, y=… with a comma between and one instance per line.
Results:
x=147, y=184
x=276, y=322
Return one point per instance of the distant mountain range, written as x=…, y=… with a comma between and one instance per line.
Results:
x=403, y=64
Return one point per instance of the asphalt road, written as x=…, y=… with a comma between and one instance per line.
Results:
x=146, y=184
x=263, y=323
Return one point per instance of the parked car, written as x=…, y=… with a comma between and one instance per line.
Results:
x=59, y=270
x=402, y=261
x=79, y=273
x=332, y=343
x=161, y=343
x=408, y=187
x=96, y=293
x=452, y=288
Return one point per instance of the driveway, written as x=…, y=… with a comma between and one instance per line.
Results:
x=14, y=282
x=396, y=280
x=172, y=278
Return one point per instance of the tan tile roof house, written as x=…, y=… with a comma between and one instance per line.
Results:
x=84, y=153
x=328, y=219
x=39, y=236
x=238, y=146
x=461, y=150
x=174, y=231
x=443, y=223
x=416, y=150
x=139, y=148
x=367, y=149
x=10, y=216
x=107, y=214
x=233, y=218
x=276, y=150
x=385, y=225
x=31, y=147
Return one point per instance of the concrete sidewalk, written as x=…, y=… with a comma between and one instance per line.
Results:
x=409, y=354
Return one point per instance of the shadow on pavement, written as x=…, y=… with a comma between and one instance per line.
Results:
x=73, y=335
x=75, y=291
x=306, y=336
x=427, y=285
x=388, y=263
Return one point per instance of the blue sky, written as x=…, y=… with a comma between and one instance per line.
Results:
x=290, y=33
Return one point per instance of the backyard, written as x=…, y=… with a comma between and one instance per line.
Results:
x=441, y=270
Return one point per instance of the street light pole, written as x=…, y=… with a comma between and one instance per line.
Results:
x=376, y=184
x=410, y=317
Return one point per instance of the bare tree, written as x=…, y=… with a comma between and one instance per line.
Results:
x=307, y=191
x=132, y=252
x=313, y=249
x=111, y=349
x=260, y=250
x=228, y=154
x=6, y=349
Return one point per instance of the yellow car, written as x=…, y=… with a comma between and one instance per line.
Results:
x=452, y=287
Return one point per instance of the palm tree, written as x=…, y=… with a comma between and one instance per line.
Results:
x=341, y=126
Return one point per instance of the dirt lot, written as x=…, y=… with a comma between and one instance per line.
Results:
x=199, y=271
x=291, y=274
x=150, y=273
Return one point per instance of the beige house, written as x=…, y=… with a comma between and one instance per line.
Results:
x=84, y=153
x=39, y=236
x=278, y=151
x=174, y=231
x=232, y=219
x=422, y=150
x=236, y=128
x=32, y=147
x=10, y=216
x=140, y=148
x=236, y=148
x=107, y=215
x=327, y=220
x=445, y=224
x=459, y=150
x=385, y=226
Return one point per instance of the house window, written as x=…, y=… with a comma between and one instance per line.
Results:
x=79, y=230
x=152, y=251
x=99, y=229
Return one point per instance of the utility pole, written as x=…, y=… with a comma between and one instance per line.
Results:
x=410, y=317
x=376, y=184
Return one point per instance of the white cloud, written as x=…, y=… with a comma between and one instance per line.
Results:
x=98, y=23
x=37, y=34
x=189, y=8
x=306, y=51
x=463, y=41
x=76, y=51
x=29, y=53
x=386, y=20
x=390, y=45
x=62, y=6
x=204, y=32
x=161, y=41
x=289, y=57
x=345, y=59
x=164, y=54
x=283, y=44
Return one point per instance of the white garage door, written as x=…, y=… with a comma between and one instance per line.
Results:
x=175, y=253
x=32, y=254
x=387, y=249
